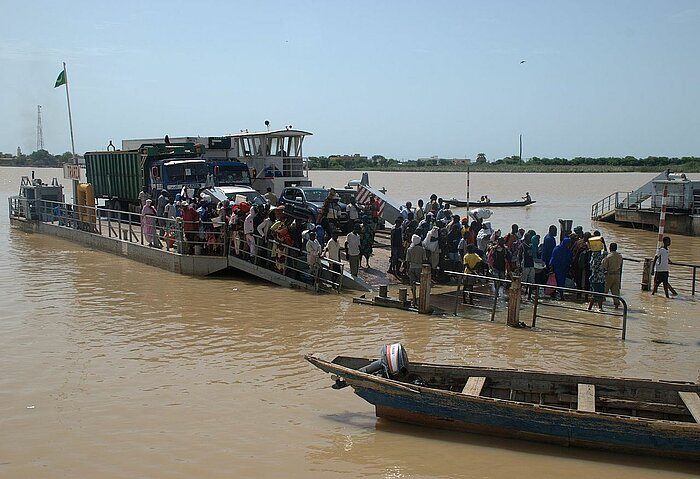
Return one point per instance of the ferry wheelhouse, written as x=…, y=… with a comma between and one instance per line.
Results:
x=275, y=158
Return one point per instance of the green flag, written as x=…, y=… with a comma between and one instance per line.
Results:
x=61, y=80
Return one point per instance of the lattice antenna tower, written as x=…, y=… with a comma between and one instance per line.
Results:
x=39, y=130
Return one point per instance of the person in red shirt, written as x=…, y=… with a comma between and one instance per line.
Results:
x=190, y=219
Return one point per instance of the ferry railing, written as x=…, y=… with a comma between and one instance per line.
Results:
x=607, y=204
x=539, y=301
x=634, y=200
x=495, y=286
x=694, y=274
x=269, y=252
x=204, y=239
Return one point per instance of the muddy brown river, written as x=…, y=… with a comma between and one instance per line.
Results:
x=114, y=369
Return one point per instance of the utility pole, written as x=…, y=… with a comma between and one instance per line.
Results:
x=521, y=148
x=39, y=130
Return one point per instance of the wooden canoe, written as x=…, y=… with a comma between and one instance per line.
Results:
x=625, y=415
x=492, y=204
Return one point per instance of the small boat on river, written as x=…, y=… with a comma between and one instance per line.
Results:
x=491, y=204
x=626, y=415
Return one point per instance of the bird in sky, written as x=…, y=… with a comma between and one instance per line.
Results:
x=522, y=61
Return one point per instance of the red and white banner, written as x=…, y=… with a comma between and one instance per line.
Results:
x=363, y=197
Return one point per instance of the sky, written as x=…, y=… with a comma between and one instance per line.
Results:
x=403, y=79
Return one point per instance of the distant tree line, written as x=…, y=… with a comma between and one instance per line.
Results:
x=512, y=163
x=39, y=158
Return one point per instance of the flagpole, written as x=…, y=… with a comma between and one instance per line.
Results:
x=72, y=141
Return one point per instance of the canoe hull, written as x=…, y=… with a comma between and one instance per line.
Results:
x=501, y=204
x=425, y=406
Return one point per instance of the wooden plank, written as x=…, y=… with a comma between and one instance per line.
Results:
x=692, y=402
x=660, y=407
x=474, y=386
x=586, y=397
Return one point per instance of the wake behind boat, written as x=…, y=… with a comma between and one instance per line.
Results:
x=625, y=415
x=490, y=204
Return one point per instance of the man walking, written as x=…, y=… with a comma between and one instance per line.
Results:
x=661, y=262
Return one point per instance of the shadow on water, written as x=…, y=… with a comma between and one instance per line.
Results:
x=470, y=445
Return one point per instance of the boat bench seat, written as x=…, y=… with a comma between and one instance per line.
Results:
x=692, y=402
x=586, y=397
x=474, y=386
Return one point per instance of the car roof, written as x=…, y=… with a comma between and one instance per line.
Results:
x=236, y=189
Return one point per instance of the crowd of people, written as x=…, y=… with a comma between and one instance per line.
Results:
x=429, y=233
x=434, y=235
x=288, y=245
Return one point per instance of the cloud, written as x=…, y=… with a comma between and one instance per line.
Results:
x=23, y=51
x=689, y=15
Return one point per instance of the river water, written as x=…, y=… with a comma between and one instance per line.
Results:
x=113, y=369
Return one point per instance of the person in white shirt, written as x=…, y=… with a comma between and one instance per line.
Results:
x=353, y=212
x=248, y=230
x=332, y=251
x=352, y=248
x=660, y=264
x=313, y=254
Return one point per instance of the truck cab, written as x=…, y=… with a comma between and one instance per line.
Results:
x=229, y=173
x=174, y=174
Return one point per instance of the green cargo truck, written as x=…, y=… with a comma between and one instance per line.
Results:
x=118, y=176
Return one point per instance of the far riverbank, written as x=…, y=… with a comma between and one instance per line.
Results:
x=503, y=168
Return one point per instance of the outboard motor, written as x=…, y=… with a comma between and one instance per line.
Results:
x=392, y=362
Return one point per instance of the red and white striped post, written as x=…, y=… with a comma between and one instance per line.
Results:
x=662, y=218
x=647, y=276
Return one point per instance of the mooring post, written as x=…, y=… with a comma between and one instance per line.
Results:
x=383, y=290
x=514, y=302
x=403, y=295
x=646, y=274
x=424, y=298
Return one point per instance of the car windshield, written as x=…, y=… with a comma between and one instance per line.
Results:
x=316, y=195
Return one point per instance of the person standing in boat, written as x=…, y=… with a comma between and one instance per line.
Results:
x=660, y=264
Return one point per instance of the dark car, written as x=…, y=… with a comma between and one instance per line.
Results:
x=306, y=202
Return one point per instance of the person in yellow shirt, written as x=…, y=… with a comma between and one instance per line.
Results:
x=471, y=262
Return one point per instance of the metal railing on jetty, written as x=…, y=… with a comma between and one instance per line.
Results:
x=632, y=200
x=200, y=238
x=540, y=300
